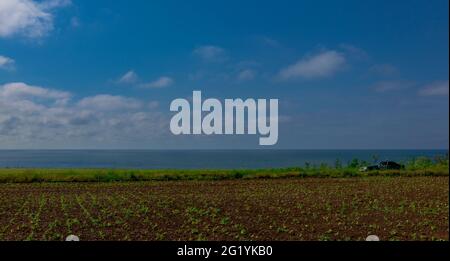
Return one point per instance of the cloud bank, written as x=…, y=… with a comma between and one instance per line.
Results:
x=28, y=18
x=438, y=88
x=37, y=115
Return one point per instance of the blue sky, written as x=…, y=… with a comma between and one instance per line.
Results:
x=101, y=74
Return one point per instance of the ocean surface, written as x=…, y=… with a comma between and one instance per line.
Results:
x=196, y=159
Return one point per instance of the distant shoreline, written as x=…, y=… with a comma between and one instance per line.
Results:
x=200, y=159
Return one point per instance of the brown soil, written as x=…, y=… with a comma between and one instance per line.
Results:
x=287, y=209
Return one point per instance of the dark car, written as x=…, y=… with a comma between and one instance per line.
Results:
x=369, y=168
x=384, y=165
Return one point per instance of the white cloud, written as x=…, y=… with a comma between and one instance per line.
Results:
x=386, y=86
x=246, y=75
x=354, y=51
x=27, y=17
x=6, y=62
x=106, y=102
x=131, y=77
x=20, y=91
x=128, y=78
x=32, y=116
x=52, y=4
x=210, y=53
x=161, y=82
x=321, y=65
x=438, y=88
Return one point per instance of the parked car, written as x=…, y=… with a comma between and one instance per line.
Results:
x=384, y=165
x=389, y=165
x=369, y=168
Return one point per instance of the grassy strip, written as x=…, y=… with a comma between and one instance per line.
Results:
x=116, y=175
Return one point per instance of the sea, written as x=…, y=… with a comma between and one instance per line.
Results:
x=199, y=159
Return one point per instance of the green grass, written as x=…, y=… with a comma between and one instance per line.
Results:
x=439, y=166
x=116, y=175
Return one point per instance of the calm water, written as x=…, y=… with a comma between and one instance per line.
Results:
x=195, y=159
